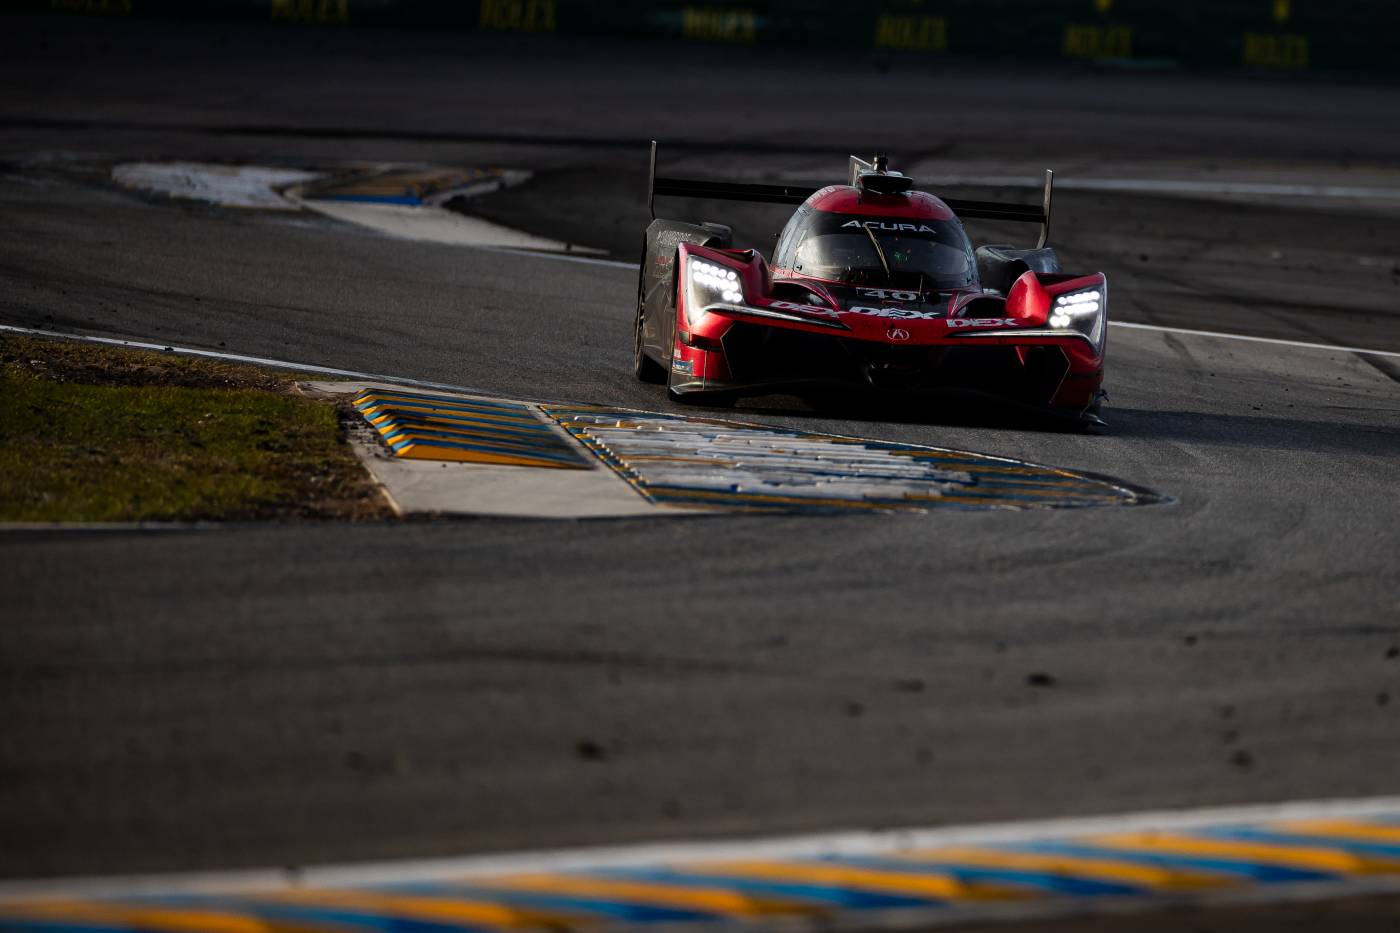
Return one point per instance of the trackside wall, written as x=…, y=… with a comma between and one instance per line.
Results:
x=1332, y=35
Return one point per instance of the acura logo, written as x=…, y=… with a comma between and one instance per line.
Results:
x=897, y=333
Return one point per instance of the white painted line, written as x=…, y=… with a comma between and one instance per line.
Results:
x=585, y=260
x=842, y=843
x=1168, y=186
x=429, y=384
x=108, y=526
x=1274, y=340
x=240, y=358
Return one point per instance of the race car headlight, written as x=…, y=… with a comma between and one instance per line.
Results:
x=714, y=283
x=1081, y=312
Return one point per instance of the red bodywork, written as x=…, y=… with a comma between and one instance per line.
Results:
x=883, y=328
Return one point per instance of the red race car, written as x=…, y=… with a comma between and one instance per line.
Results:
x=872, y=285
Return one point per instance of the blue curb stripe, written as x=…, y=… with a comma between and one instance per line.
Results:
x=716, y=495
x=614, y=909
x=422, y=423
x=514, y=440
x=398, y=439
x=437, y=409
x=453, y=419
x=1305, y=840
x=336, y=917
x=719, y=498
x=1263, y=872
x=1044, y=881
x=403, y=442
x=825, y=894
x=461, y=423
x=454, y=400
x=371, y=199
x=440, y=399
x=408, y=410
x=499, y=449
x=522, y=433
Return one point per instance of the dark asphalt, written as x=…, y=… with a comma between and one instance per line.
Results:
x=261, y=695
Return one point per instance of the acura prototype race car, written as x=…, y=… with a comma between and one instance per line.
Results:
x=872, y=285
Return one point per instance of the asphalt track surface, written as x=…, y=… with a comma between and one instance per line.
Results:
x=268, y=695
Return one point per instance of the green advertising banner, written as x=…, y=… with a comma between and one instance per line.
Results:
x=1265, y=34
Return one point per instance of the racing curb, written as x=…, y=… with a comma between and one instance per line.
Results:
x=902, y=879
x=478, y=455
x=445, y=454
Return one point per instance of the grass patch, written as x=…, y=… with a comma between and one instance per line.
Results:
x=100, y=434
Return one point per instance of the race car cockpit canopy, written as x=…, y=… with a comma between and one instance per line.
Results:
x=887, y=251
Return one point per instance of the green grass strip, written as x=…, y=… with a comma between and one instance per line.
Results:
x=74, y=451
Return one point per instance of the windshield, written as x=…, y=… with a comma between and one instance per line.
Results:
x=932, y=253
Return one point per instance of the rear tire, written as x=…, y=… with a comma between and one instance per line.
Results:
x=644, y=367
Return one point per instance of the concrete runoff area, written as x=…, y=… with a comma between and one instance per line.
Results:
x=302, y=694
x=442, y=487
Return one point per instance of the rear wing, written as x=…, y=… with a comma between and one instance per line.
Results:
x=797, y=194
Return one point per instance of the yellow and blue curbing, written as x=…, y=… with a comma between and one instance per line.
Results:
x=883, y=882
x=413, y=188
x=424, y=426
x=697, y=463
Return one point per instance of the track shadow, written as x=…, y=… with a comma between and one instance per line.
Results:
x=944, y=409
x=1263, y=432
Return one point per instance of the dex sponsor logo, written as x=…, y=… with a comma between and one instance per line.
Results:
x=805, y=309
x=982, y=322
x=895, y=313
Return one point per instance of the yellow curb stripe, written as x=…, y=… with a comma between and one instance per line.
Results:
x=717, y=900
x=422, y=428
x=450, y=404
x=663, y=493
x=428, y=452
x=647, y=458
x=399, y=414
x=1342, y=829
x=1037, y=492
x=1000, y=502
x=373, y=412
x=1299, y=856
x=941, y=887
x=429, y=908
x=465, y=406
x=1146, y=876
x=682, y=492
x=170, y=920
x=426, y=434
x=515, y=414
